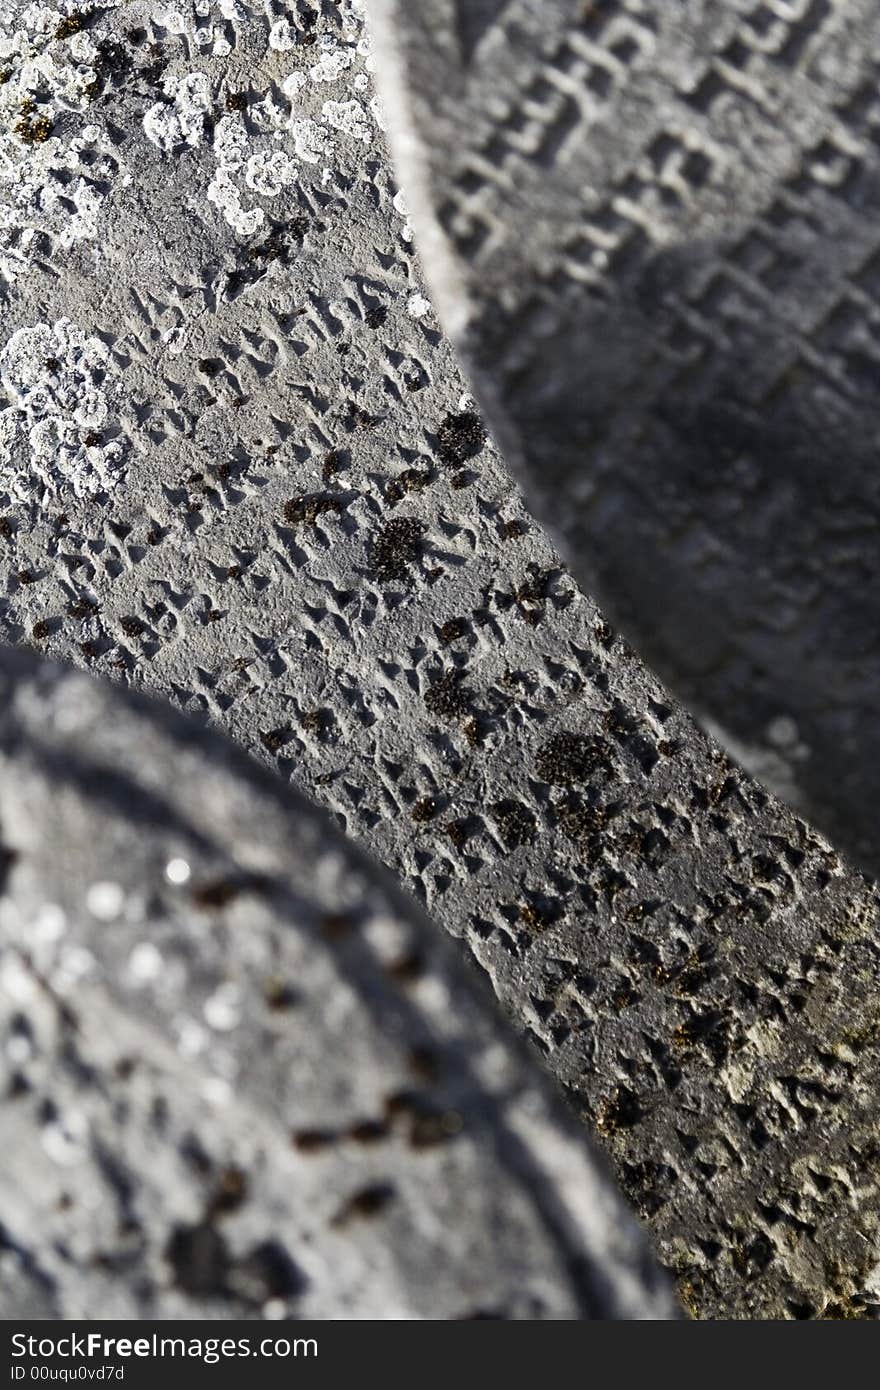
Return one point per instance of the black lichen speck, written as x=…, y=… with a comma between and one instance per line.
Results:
x=516, y=823
x=396, y=548
x=309, y=508
x=460, y=437
x=452, y=630
x=567, y=758
x=448, y=697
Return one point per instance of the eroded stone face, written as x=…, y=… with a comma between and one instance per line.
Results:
x=243, y=1077
x=313, y=545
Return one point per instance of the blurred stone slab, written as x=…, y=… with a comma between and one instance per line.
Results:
x=653, y=232
x=243, y=1076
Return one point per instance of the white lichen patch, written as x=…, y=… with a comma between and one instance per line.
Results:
x=402, y=208
x=332, y=64
x=311, y=142
x=58, y=431
x=180, y=120
x=260, y=157
x=47, y=58
x=268, y=171
x=418, y=306
x=206, y=25
x=54, y=181
x=350, y=117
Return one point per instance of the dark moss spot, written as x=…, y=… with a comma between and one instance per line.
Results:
x=397, y=547
x=360, y=419
x=309, y=508
x=448, y=697
x=230, y=1193
x=619, y=721
x=604, y=633
x=473, y=731
x=280, y=995
x=621, y=1110
x=131, y=626
x=370, y=1201
x=451, y=631
x=216, y=893
x=414, y=479
x=210, y=366
x=82, y=607
x=424, y=809
x=752, y=1259
x=532, y=594
x=460, y=437
x=432, y=1127
x=710, y=1031
x=376, y=316
x=275, y=739
x=236, y=101
x=567, y=758
x=427, y=1124
x=41, y=630
x=538, y=916
x=369, y=1132
x=458, y=830
x=309, y=1141
x=275, y=246
x=407, y=969
x=25, y=577
x=513, y=530
x=7, y=530
x=71, y=24
x=33, y=130
x=335, y=460
x=516, y=823
x=320, y=723
x=625, y=996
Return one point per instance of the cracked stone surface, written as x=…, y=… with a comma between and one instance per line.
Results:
x=652, y=231
x=241, y=469
x=243, y=1076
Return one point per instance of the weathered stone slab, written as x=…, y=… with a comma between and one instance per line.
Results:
x=286, y=521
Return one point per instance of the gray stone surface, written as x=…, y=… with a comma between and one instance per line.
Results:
x=653, y=230
x=275, y=509
x=243, y=1076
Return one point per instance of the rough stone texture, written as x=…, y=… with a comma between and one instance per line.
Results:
x=653, y=230
x=243, y=1076
x=303, y=537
